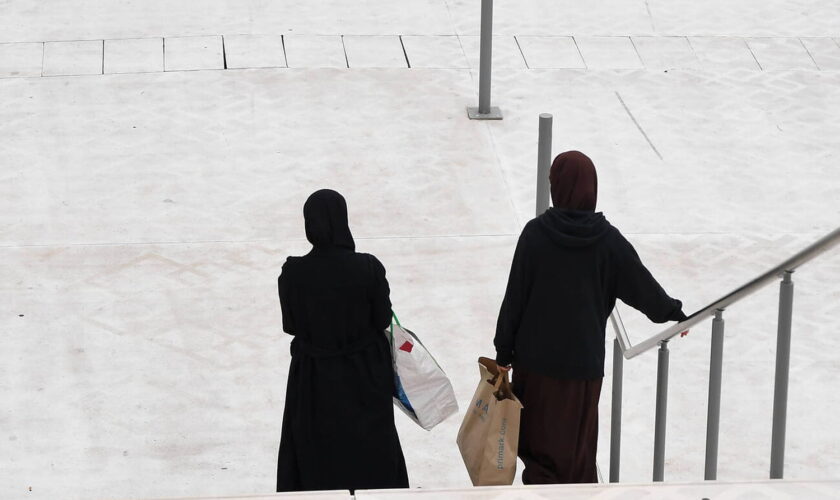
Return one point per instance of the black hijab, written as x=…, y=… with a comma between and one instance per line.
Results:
x=325, y=216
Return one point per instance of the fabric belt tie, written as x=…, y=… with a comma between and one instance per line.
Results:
x=304, y=347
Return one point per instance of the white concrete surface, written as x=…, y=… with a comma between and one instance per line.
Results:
x=825, y=51
x=254, y=51
x=144, y=218
x=21, y=59
x=435, y=52
x=727, y=53
x=73, y=58
x=374, y=52
x=613, y=52
x=193, y=53
x=315, y=51
x=137, y=55
x=775, y=54
x=817, y=490
x=655, y=53
x=666, y=52
x=555, y=52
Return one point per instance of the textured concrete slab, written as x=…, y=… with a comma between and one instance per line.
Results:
x=53, y=19
x=375, y=52
x=73, y=58
x=666, y=52
x=432, y=52
x=608, y=52
x=554, y=17
x=556, y=52
x=822, y=490
x=193, y=53
x=751, y=18
x=825, y=51
x=315, y=51
x=21, y=59
x=138, y=55
x=254, y=51
x=506, y=53
x=114, y=19
x=726, y=53
x=699, y=122
x=160, y=130
x=774, y=54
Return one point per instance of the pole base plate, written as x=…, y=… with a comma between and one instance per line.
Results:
x=494, y=114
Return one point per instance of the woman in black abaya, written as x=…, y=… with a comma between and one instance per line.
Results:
x=338, y=423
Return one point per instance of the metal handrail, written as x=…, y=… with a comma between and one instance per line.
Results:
x=817, y=248
x=622, y=346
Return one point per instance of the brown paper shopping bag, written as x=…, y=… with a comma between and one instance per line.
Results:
x=489, y=435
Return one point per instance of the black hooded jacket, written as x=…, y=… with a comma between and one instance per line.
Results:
x=568, y=269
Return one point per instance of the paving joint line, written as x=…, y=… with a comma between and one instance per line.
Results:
x=516, y=39
x=630, y=114
x=809, y=54
x=344, y=47
x=650, y=16
x=747, y=43
x=224, y=54
x=585, y=64
x=405, y=54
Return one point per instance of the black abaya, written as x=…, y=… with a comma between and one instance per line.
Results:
x=338, y=425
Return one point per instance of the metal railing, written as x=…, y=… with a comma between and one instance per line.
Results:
x=623, y=346
x=716, y=309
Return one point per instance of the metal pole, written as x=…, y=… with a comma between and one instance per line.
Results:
x=484, y=111
x=713, y=416
x=544, y=163
x=485, y=63
x=615, y=419
x=780, y=395
x=661, y=413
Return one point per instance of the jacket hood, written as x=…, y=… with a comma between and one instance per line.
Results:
x=572, y=228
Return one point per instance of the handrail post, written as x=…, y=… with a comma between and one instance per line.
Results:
x=615, y=419
x=484, y=111
x=780, y=393
x=661, y=413
x=715, y=376
x=544, y=163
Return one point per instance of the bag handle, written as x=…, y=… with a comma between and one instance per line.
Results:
x=502, y=389
x=393, y=319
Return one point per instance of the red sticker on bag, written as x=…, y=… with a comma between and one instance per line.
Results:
x=407, y=346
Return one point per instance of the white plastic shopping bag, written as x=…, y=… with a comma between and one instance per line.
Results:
x=421, y=388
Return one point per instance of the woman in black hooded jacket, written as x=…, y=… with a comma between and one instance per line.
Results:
x=569, y=267
x=338, y=424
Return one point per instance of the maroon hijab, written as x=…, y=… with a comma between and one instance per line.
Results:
x=574, y=182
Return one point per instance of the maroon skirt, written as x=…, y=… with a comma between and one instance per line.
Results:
x=558, y=433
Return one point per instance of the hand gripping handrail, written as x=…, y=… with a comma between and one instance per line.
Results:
x=817, y=248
